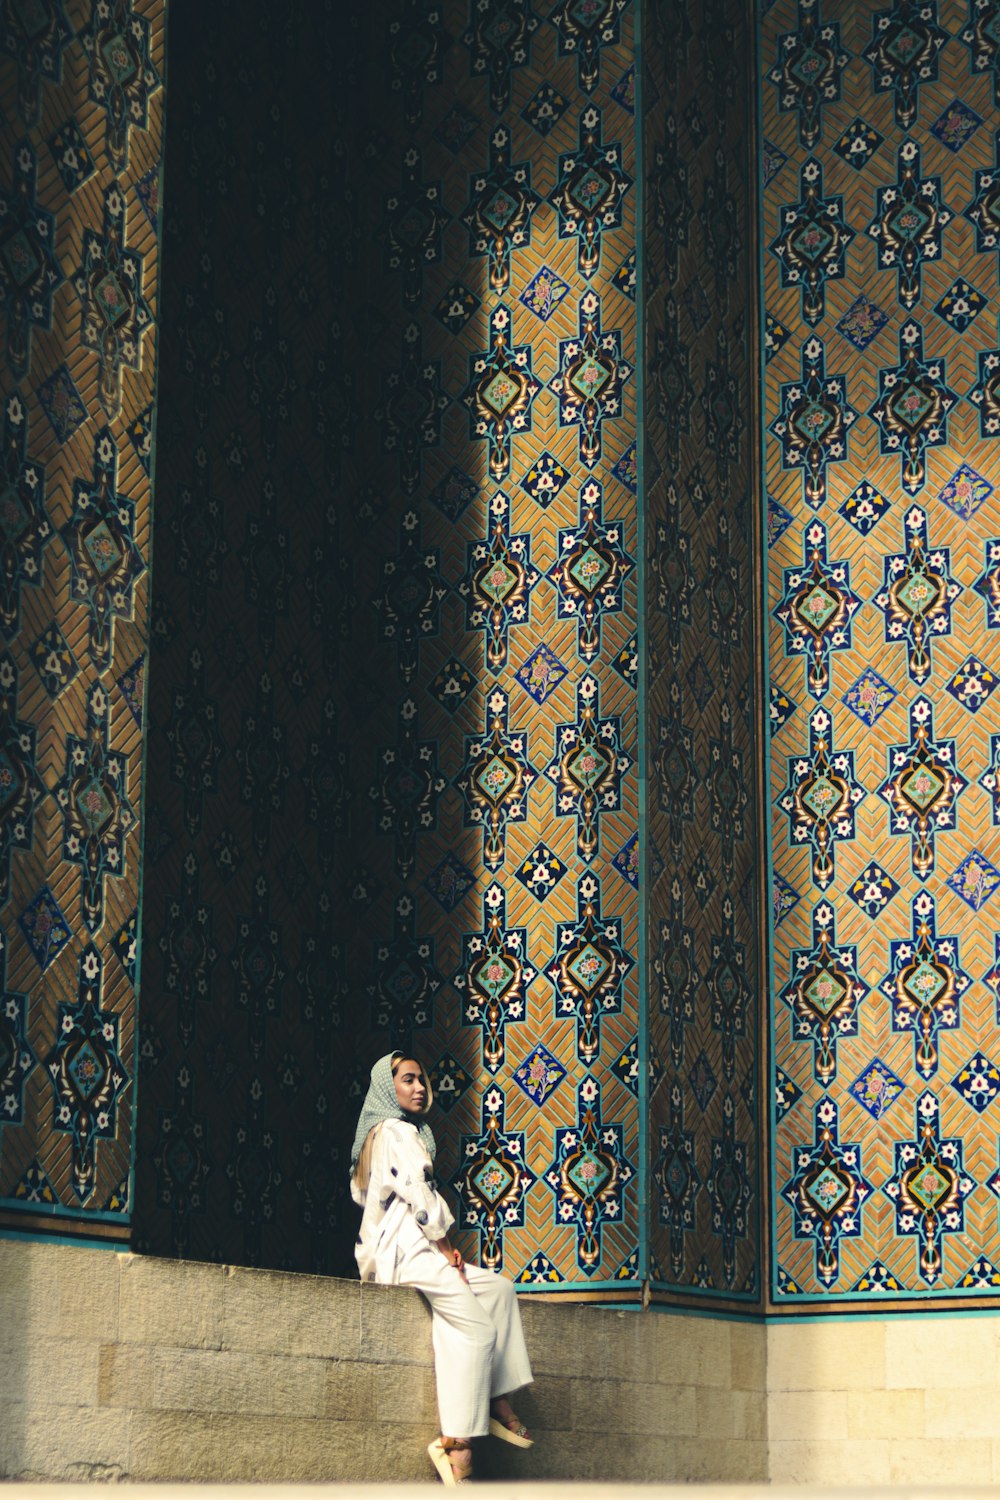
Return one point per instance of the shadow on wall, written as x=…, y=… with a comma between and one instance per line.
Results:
x=303, y=743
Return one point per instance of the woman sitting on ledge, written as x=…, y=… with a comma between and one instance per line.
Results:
x=479, y=1352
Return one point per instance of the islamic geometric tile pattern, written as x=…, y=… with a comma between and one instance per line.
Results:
x=456, y=351
x=902, y=137
x=81, y=112
x=703, y=914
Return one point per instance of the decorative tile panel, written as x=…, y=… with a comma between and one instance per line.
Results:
x=905, y=148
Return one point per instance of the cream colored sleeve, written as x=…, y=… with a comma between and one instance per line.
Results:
x=409, y=1175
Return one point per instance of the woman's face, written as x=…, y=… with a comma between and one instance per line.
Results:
x=411, y=1087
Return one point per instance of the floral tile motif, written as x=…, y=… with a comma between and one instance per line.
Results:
x=624, y=279
x=140, y=433
x=780, y=709
x=982, y=1276
x=539, y=1075
x=828, y=1191
x=456, y=307
x=784, y=898
x=786, y=1093
x=452, y=684
x=545, y=479
x=125, y=942
x=541, y=674
x=45, y=929
x=626, y=469
x=539, y=1269
x=74, y=162
x=701, y=878
x=454, y=493
x=978, y=1082
x=862, y=323
x=626, y=663
x=626, y=861
x=773, y=159
x=965, y=492
x=450, y=882
x=456, y=129
x=703, y=1081
x=544, y=293
x=878, y=1279
x=54, y=661
x=975, y=880
x=449, y=1080
x=147, y=190
x=131, y=686
x=776, y=336
x=877, y=1088
x=697, y=303
x=541, y=871
x=955, y=125
x=972, y=683
x=778, y=520
x=929, y=1187
x=858, y=144
x=626, y=1066
x=864, y=507
x=545, y=109
x=623, y=92
x=869, y=696
x=960, y=305
x=873, y=889
x=62, y=404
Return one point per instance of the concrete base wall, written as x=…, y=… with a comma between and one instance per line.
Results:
x=118, y=1366
x=875, y=1401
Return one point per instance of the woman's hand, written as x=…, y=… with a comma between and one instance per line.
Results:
x=453, y=1257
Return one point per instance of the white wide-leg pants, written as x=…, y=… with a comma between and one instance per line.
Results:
x=479, y=1349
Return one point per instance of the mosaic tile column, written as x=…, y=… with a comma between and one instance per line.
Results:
x=702, y=679
x=878, y=249
x=80, y=145
x=394, y=730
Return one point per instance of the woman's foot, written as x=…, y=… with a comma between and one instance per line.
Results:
x=459, y=1456
x=507, y=1425
x=452, y=1457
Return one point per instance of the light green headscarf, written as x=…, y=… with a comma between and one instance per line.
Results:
x=381, y=1104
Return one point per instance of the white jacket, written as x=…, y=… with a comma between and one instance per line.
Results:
x=401, y=1205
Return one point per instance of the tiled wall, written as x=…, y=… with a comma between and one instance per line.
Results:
x=80, y=137
x=880, y=283
x=702, y=715
x=394, y=737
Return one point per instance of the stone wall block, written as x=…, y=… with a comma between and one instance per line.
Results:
x=395, y=1326
x=747, y=1356
x=64, y=1442
x=350, y=1390
x=26, y=1369
x=171, y=1302
x=885, y=1414
x=692, y=1351
x=628, y=1406
x=281, y=1313
x=835, y=1463
x=948, y=1462
x=63, y=1292
x=941, y=1354
x=829, y=1356
x=731, y=1414
x=125, y=1376
x=254, y=1384
x=723, y=1461
x=801, y=1415
x=550, y=1329
x=406, y=1393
